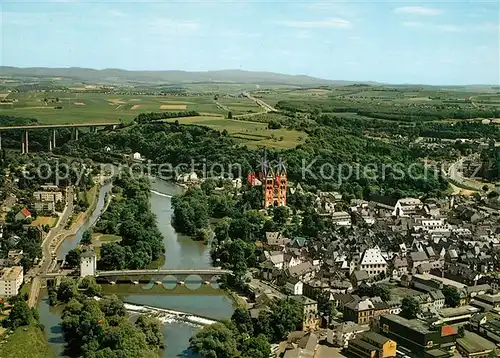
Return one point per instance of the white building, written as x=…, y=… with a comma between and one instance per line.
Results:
x=53, y=196
x=11, y=279
x=137, y=156
x=406, y=207
x=88, y=263
x=372, y=262
x=294, y=287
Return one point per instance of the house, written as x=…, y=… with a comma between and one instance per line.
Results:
x=371, y=344
x=310, y=318
x=275, y=239
x=23, y=214
x=344, y=332
x=359, y=277
x=476, y=320
x=407, y=207
x=341, y=218
x=9, y=202
x=15, y=256
x=398, y=267
x=488, y=302
x=416, y=259
x=294, y=286
x=137, y=156
x=304, y=271
x=11, y=279
x=473, y=291
x=341, y=299
x=373, y=262
x=360, y=312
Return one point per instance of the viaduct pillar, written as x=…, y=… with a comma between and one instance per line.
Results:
x=53, y=138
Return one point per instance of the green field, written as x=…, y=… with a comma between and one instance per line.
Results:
x=252, y=134
x=100, y=107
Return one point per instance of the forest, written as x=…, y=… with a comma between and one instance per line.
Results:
x=129, y=216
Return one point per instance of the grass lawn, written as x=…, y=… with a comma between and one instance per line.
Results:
x=26, y=342
x=252, y=134
x=44, y=220
x=26, y=287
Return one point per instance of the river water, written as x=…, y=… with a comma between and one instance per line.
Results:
x=181, y=252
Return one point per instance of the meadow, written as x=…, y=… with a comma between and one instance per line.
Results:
x=251, y=134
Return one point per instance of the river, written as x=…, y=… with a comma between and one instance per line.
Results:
x=181, y=252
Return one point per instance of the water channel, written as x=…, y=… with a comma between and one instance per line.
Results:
x=181, y=252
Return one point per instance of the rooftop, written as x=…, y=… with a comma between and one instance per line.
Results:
x=10, y=273
x=474, y=343
x=414, y=324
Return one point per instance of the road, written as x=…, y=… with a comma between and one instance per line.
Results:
x=55, y=126
x=47, y=254
x=260, y=102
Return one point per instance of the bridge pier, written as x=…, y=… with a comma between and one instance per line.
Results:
x=0, y=140
x=53, y=138
x=27, y=142
x=50, y=145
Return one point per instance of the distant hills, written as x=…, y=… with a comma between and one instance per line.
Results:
x=169, y=77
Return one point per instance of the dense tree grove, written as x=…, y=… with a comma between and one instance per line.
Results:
x=130, y=217
x=155, y=116
x=246, y=337
x=333, y=156
x=100, y=329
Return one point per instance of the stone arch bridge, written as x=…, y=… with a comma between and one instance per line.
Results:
x=180, y=276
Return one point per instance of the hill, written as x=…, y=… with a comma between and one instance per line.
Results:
x=170, y=77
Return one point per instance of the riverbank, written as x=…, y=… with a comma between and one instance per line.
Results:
x=26, y=342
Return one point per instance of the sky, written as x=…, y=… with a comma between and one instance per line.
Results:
x=434, y=42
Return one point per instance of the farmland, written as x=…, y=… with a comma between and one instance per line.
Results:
x=72, y=107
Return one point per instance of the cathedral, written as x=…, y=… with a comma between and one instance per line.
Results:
x=274, y=184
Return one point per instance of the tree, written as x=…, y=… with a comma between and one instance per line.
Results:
x=20, y=314
x=281, y=215
x=90, y=286
x=86, y=237
x=256, y=347
x=151, y=327
x=214, y=341
x=73, y=257
x=67, y=290
x=112, y=306
x=230, y=115
x=409, y=308
x=286, y=317
x=242, y=320
x=451, y=296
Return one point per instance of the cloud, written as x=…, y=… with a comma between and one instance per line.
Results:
x=417, y=10
x=318, y=24
x=433, y=27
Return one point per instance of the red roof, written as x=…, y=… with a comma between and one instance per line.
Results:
x=448, y=331
x=25, y=212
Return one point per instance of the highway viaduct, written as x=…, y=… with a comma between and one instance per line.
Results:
x=52, y=141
